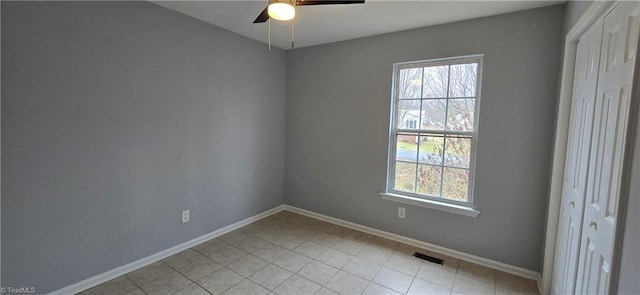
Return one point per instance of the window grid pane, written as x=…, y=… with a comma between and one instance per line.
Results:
x=433, y=114
x=435, y=81
x=407, y=147
x=405, y=176
x=431, y=149
x=408, y=114
x=458, y=151
x=429, y=180
x=410, y=84
x=456, y=184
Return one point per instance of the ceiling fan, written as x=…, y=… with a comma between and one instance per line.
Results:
x=285, y=9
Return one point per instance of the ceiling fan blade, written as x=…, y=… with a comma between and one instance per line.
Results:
x=262, y=17
x=327, y=2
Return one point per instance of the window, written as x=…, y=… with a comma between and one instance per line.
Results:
x=434, y=129
x=411, y=124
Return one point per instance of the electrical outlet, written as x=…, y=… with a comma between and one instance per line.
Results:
x=401, y=212
x=185, y=216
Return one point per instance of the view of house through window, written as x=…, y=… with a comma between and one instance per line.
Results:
x=434, y=128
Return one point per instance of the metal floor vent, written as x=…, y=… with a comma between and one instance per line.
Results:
x=428, y=258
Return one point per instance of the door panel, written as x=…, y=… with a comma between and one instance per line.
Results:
x=611, y=113
x=577, y=159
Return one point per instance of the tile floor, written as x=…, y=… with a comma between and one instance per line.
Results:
x=287, y=253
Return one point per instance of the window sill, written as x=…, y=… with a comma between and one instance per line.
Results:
x=451, y=208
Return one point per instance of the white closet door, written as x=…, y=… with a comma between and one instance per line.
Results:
x=615, y=79
x=577, y=159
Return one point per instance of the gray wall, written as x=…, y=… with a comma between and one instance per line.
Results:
x=338, y=100
x=575, y=9
x=115, y=117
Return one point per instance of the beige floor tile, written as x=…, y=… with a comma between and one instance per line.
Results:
x=475, y=271
x=289, y=241
x=512, y=284
x=319, y=226
x=271, y=235
x=292, y=262
x=235, y=236
x=251, y=244
x=192, y=289
x=384, y=244
x=167, y=284
x=253, y=228
x=119, y=285
x=297, y=285
x=349, y=246
x=393, y=280
x=183, y=258
x=209, y=247
x=247, y=287
x=337, y=230
x=346, y=283
x=410, y=250
x=406, y=264
x=374, y=254
x=318, y=272
x=326, y=239
x=335, y=258
x=248, y=265
x=227, y=255
x=362, y=268
x=149, y=273
x=325, y=291
x=419, y=287
x=375, y=289
x=199, y=269
x=271, y=252
x=271, y=276
x=436, y=274
x=220, y=281
x=305, y=233
x=310, y=249
x=359, y=236
x=467, y=285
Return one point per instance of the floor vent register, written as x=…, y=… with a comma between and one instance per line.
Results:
x=428, y=258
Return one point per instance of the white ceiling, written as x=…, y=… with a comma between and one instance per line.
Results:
x=330, y=23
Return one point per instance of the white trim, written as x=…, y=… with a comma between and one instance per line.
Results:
x=441, y=206
x=420, y=244
x=119, y=271
x=596, y=10
x=394, y=130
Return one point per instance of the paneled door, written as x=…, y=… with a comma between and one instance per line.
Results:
x=611, y=111
x=577, y=159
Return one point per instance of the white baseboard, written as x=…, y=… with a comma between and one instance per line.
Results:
x=539, y=281
x=119, y=271
x=424, y=245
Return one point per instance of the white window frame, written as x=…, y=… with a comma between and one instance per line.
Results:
x=436, y=202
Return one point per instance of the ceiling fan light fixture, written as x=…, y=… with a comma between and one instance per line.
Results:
x=281, y=11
